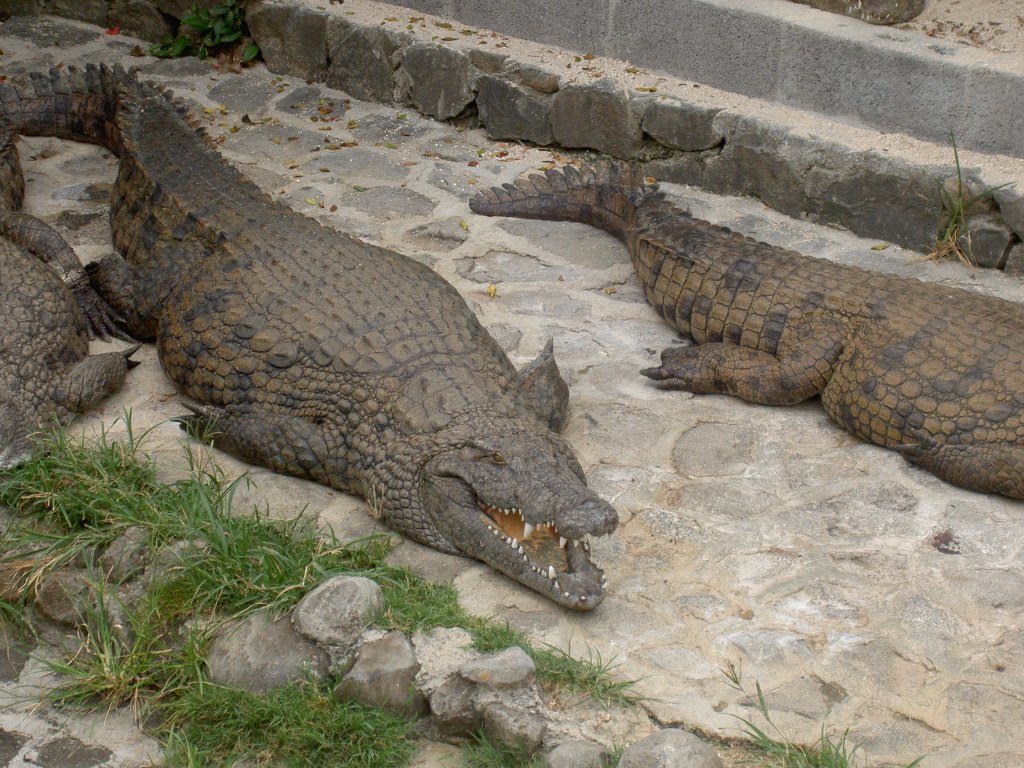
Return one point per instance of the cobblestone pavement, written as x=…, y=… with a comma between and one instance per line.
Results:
x=850, y=585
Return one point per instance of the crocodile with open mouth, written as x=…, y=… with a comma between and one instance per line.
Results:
x=317, y=355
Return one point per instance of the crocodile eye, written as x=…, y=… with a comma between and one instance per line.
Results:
x=497, y=458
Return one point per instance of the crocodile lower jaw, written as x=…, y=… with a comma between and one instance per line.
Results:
x=548, y=554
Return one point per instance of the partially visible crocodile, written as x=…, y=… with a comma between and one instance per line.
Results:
x=321, y=356
x=46, y=373
x=934, y=372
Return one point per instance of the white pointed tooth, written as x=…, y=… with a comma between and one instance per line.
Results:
x=527, y=531
x=521, y=550
x=561, y=541
x=551, y=572
x=514, y=542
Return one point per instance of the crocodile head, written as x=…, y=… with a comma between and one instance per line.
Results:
x=518, y=501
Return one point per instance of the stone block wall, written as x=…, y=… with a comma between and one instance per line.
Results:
x=681, y=131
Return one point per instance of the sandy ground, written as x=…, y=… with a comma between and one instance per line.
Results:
x=995, y=25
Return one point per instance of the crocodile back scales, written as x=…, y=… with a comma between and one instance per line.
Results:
x=903, y=363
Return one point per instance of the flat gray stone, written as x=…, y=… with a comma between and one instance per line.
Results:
x=505, y=266
x=670, y=748
x=387, y=203
x=509, y=111
x=384, y=675
x=10, y=745
x=260, y=653
x=249, y=95
x=69, y=752
x=596, y=116
x=338, y=610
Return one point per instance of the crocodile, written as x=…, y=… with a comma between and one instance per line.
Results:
x=307, y=351
x=934, y=372
x=47, y=375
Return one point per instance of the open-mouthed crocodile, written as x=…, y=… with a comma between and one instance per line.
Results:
x=317, y=355
x=934, y=372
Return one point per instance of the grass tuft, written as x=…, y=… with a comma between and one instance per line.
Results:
x=483, y=752
x=955, y=233
x=774, y=750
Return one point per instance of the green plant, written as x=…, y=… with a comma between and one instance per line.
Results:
x=774, y=750
x=213, y=28
x=954, y=234
x=482, y=752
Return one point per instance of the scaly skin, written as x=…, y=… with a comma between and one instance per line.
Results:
x=46, y=373
x=934, y=372
x=320, y=356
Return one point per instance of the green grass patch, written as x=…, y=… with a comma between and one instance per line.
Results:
x=293, y=727
x=482, y=752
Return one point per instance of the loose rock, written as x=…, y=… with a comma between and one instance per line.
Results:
x=670, y=748
x=384, y=675
x=337, y=611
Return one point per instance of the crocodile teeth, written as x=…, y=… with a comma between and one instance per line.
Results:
x=527, y=531
x=561, y=541
x=551, y=572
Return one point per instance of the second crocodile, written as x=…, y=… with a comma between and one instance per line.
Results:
x=934, y=372
x=46, y=373
x=320, y=356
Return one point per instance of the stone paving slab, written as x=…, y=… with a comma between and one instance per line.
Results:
x=848, y=584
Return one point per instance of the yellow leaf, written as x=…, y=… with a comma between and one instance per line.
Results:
x=464, y=225
x=492, y=290
x=879, y=247
x=311, y=200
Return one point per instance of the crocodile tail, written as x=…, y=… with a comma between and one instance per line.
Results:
x=605, y=195
x=69, y=103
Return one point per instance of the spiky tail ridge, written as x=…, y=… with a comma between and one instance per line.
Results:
x=605, y=195
x=70, y=103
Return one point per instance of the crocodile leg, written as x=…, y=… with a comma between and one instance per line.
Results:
x=287, y=444
x=800, y=370
x=985, y=467
x=130, y=291
x=91, y=380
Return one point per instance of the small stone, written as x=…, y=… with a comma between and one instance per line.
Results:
x=125, y=556
x=514, y=726
x=64, y=595
x=338, y=610
x=260, y=653
x=670, y=748
x=510, y=668
x=509, y=111
x=988, y=241
x=1015, y=260
x=384, y=675
x=596, y=116
x=435, y=79
x=575, y=754
x=539, y=78
x=10, y=745
x=362, y=60
x=292, y=39
x=453, y=707
x=682, y=126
